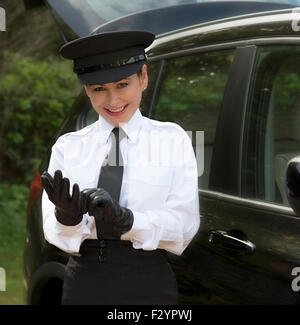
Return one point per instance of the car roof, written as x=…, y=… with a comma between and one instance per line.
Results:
x=87, y=16
x=264, y=27
x=167, y=19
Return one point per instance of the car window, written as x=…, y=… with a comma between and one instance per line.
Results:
x=272, y=134
x=191, y=95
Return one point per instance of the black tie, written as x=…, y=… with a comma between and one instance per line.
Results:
x=111, y=172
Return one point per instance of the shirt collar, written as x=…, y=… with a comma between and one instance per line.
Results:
x=131, y=128
x=105, y=129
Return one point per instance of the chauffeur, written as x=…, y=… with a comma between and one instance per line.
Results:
x=121, y=192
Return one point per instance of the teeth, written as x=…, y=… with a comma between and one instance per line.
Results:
x=117, y=110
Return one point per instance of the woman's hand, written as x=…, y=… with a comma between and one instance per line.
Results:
x=111, y=219
x=68, y=210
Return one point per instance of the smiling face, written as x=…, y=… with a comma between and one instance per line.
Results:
x=117, y=101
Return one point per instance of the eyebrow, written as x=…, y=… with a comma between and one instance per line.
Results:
x=128, y=78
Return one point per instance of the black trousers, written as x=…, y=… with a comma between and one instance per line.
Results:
x=114, y=273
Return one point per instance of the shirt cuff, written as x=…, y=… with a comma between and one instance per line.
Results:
x=140, y=228
x=67, y=238
x=61, y=228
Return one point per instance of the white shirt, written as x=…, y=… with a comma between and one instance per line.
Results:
x=160, y=183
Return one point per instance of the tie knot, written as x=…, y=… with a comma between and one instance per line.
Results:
x=119, y=134
x=116, y=131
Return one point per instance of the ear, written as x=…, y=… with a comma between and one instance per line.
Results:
x=87, y=90
x=144, y=77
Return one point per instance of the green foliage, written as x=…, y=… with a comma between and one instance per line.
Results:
x=13, y=203
x=35, y=96
x=287, y=91
x=192, y=90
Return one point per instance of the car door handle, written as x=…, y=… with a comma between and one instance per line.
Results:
x=231, y=243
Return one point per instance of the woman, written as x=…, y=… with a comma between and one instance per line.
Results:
x=134, y=189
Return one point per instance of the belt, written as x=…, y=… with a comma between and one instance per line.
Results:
x=102, y=245
x=96, y=243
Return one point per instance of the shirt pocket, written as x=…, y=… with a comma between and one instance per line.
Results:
x=148, y=187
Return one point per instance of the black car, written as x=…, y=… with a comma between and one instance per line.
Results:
x=231, y=70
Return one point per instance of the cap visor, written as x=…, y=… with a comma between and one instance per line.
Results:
x=112, y=75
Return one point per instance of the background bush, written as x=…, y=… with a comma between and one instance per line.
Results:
x=35, y=96
x=13, y=205
x=37, y=90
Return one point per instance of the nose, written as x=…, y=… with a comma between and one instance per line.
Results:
x=112, y=99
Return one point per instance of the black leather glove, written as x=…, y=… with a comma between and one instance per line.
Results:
x=67, y=208
x=111, y=219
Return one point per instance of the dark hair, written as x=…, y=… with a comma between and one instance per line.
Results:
x=139, y=72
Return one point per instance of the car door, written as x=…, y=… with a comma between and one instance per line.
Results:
x=253, y=240
x=271, y=138
x=244, y=99
x=190, y=93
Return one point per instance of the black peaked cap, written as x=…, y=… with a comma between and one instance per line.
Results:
x=105, y=43
x=109, y=56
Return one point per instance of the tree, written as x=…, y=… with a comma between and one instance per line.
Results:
x=35, y=96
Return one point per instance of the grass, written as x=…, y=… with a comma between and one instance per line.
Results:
x=12, y=263
x=13, y=203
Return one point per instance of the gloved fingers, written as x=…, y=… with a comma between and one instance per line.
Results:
x=100, y=199
x=93, y=198
x=99, y=202
x=97, y=212
x=121, y=220
x=75, y=193
x=95, y=202
x=47, y=182
x=100, y=193
x=88, y=191
x=65, y=190
x=57, y=185
x=84, y=195
x=105, y=203
x=96, y=195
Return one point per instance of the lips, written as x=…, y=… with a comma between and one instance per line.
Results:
x=116, y=111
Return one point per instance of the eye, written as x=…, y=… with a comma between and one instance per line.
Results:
x=123, y=84
x=99, y=88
